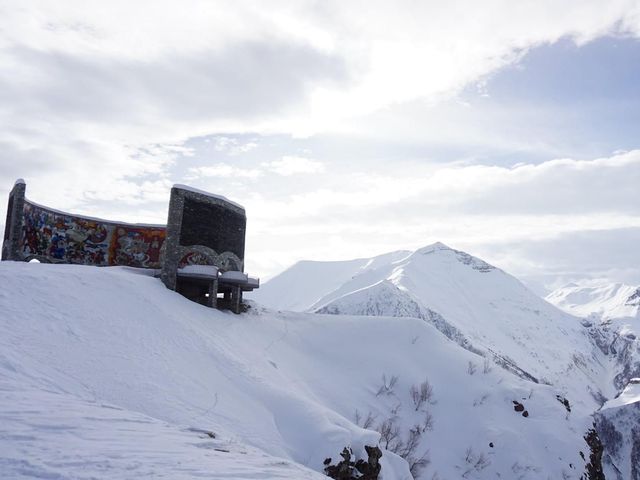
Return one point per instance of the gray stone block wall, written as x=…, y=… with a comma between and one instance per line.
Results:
x=204, y=225
x=12, y=240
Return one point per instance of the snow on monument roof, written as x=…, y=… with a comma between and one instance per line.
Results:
x=208, y=194
x=205, y=270
x=235, y=276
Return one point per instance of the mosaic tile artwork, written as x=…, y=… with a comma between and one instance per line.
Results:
x=57, y=237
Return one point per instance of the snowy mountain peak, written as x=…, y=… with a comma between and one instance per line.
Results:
x=463, y=257
x=478, y=306
x=433, y=248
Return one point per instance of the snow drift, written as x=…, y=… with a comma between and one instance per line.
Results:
x=105, y=373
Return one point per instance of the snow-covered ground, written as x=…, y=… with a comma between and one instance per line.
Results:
x=46, y=433
x=104, y=373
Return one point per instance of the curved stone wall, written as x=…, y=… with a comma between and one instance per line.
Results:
x=52, y=236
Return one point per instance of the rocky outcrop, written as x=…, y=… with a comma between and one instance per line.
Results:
x=348, y=469
x=618, y=428
x=593, y=468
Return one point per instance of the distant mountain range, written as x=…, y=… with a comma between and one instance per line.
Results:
x=599, y=300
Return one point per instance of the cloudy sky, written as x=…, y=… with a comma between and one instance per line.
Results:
x=507, y=129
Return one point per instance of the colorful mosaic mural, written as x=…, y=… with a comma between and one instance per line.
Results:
x=195, y=258
x=136, y=246
x=201, y=255
x=57, y=237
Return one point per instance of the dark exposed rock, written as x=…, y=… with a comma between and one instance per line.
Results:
x=593, y=469
x=362, y=469
x=610, y=437
x=370, y=469
x=635, y=454
x=601, y=336
x=564, y=402
x=343, y=470
x=618, y=430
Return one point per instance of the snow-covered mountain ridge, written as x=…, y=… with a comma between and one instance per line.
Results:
x=491, y=313
x=598, y=300
x=482, y=308
x=612, y=311
x=104, y=373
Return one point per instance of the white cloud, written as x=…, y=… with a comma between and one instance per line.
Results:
x=551, y=262
x=293, y=67
x=222, y=170
x=292, y=165
x=287, y=166
x=232, y=146
x=483, y=209
x=604, y=188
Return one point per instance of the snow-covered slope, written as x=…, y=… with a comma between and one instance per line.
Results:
x=380, y=299
x=303, y=284
x=104, y=373
x=483, y=309
x=47, y=433
x=600, y=300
